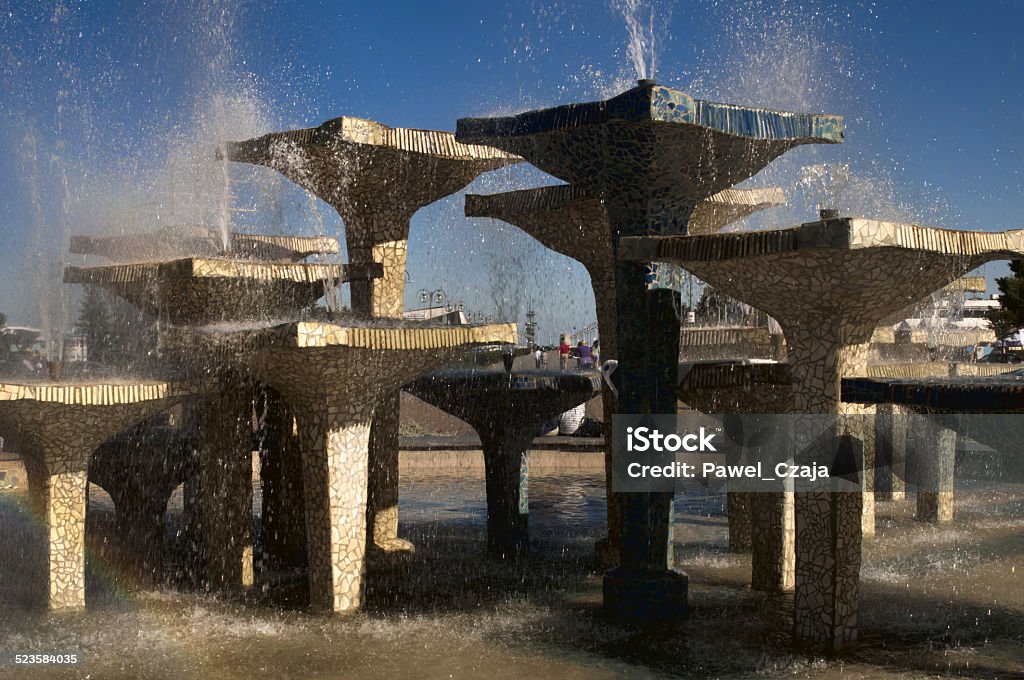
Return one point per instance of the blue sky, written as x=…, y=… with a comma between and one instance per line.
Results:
x=108, y=109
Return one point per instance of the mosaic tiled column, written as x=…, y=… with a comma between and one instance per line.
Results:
x=507, y=469
x=890, y=452
x=224, y=428
x=828, y=524
x=644, y=586
x=933, y=448
x=334, y=441
x=284, y=521
x=773, y=541
x=65, y=498
x=57, y=428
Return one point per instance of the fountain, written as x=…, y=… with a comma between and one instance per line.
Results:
x=811, y=279
x=172, y=243
x=652, y=154
x=210, y=290
x=937, y=407
x=332, y=376
x=573, y=222
x=56, y=427
x=376, y=177
x=506, y=408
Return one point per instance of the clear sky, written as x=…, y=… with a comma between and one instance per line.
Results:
x=108, y=112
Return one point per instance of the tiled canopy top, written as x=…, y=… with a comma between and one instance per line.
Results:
x=307, y=334
x=473, y=383
x=91, y=394
x=167, y=244
x=351, y=130
x=848, y=233
x=652, y=153
x=998, y=394
x=217, y=268
x=711, y=214
x=658, y=104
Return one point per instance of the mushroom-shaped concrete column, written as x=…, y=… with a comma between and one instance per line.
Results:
x=376, y=177
x=570, y=221
x=506, y=410
x=652, y=154
x=332, y=377
x=812, y=280
x=57, y=427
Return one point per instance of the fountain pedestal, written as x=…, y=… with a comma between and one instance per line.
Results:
x=506, y=409
x=57, y=427
x=652, y=154
x=812, y=280
x=332, y=377
x=570, y=221
x=376, y=177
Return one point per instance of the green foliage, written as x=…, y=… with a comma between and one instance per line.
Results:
x=116, y=333
x=1010, y=316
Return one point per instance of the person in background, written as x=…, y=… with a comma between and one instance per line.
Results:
x=538, y=356
x=563, y=353
x=586, y=359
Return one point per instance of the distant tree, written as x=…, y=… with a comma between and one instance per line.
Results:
x=1010, y=316
x=3, y=320
x=94, y=321
x=116, y=333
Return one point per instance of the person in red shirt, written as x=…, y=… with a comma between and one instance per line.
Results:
x=563, y=353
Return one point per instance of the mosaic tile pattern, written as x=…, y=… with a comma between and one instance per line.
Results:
x=179, y=242
x=652, y=154
x=223, y=427
x=811, y=279
x=140, y=468
x=572, y=222
x=197, y=291
x=332, y=378
x=56, y=427
x=506, y=410
x=376, y=177
x=645, y=155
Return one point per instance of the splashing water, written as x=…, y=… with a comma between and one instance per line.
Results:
x=641, y=49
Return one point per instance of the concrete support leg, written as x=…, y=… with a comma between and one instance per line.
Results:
x=739, y=505
x=507, y=469
x=890, y=453
x=773, y=541
x=58, y=496
x=644, y=586
x=607, y=549
x=828, y=547
x=225, y=488
x=382, y=508
x=334, y=466
x=284, y=521
x=139, y=520
x=934, y=450
x=866, y=436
